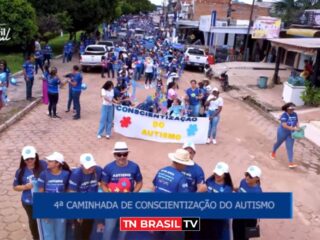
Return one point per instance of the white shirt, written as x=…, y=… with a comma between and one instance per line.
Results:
x=149, y=68
x=107, y=97
x=214, y=104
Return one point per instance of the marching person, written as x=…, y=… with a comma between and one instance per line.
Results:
x=113, y=181
x=289, y=123
x=194, y=174
x=194, y=95
x=24, y=181
x=54, y=180
x=53, y=92
x=219, y=182
x=215, y=104
x=76, y=82
x=83, y=179
x=28, y=73
x=106, y=118
x=250, y=184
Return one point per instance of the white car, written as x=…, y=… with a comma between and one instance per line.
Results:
x=122, y=33
x=139, y=33
x=92, y=56
x=108, y=44
x=195, y=57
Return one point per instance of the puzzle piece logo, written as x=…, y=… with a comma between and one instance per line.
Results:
x=125, y=122
x=192, y=130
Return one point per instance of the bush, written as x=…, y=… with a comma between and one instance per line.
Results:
x=311, y=96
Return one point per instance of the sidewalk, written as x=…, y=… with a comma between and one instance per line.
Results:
x=244, y=75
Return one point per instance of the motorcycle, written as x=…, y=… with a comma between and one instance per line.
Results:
x=224, y=81
x=208, y=72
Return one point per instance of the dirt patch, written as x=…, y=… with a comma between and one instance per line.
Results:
x=13, y=108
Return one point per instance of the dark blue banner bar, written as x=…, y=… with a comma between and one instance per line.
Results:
x=203, y=205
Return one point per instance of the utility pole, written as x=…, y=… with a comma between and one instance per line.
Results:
x=246, y=52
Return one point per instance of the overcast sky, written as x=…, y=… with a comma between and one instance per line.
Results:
x=159, y=2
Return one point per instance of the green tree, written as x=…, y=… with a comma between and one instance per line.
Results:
x=290, y=10
x=20, y=17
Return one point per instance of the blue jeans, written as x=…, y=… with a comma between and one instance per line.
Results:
x=53, y=229
x=284, y=135
x=134, y=88
x=69, y=99
x=137, y=74
x=65, y=57
x=76, y=102
x=29, y=84
x=106, y=119
x=111, y=231
x=38, y=64
x=213, y=123
x=195, y=109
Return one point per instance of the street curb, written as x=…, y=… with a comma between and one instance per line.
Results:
x=19, y=115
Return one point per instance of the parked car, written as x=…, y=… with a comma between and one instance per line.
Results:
x=195, y=57
x=108, y=44
x=122, y=33
x=92, y=56
x=139, y=33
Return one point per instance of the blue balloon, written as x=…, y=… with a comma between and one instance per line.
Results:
x=3, y=77
x=13, y=81
x=83, y=86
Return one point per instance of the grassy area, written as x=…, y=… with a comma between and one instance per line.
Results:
x=58, y=43
x=14, y=61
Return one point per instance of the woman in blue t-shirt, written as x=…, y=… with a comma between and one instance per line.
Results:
x=219, y=182
x=25, y=181
x=53, y=92
x=250, y=184
x=54, y=180
x=288, y=123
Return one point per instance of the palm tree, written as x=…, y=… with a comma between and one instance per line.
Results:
x=290, y=10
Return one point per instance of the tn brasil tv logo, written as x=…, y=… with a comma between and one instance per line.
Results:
x=4, y=32
x=159, y=224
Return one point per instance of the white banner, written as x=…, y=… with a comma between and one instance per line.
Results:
x=136, y=123
x=205, y=23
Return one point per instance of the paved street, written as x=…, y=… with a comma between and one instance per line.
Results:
x=245, y=136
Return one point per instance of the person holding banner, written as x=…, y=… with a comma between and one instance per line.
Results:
x=121, y=175
x=106, y=118
x=195, y=96
x=85, y=179
x=250, y=184
x=54, y=180
x=24, y=180
x=214, y=104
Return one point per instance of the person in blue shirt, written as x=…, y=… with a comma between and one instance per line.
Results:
x=113, y=175
x=38, y=57
x=65, y=53
x=289, y=123
x=82, y=47
x=53, y=92
x=250, y=184
x=75, y=82
x=219, y=182
x=28, y=73
x=83, y=179
x=194, y=95
x=170, y=179
x=54, y=180
x=47, y=53
x=70, y=50
x=25, y=181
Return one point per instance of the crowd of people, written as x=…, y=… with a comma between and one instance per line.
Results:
x=123, y=175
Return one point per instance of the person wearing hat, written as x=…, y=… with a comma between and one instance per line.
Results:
x=24, y=181
x=250, y=184
x=85, y=178
x=219, y=182
x=54, y=180
x=194, y=95
x=194, y=174
x=289, y=123
x=214, y=103
x=112, y=174
x=171, y=179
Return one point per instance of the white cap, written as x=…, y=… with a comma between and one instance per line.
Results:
x=28, y=152
x=189, y=145
x=120, y=147
x=221, y=168
x=215, y=89
x=56, y=156
x=87, y=160
x=254, y=171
